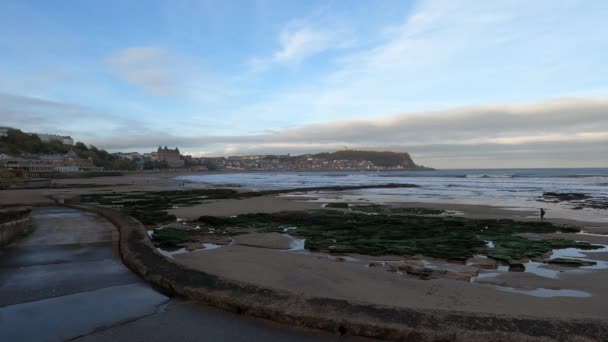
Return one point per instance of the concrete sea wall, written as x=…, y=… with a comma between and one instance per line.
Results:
x=18, y=183
x=340, y=316
x=14, y=222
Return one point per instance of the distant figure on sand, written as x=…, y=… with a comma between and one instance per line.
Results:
x=542, y=214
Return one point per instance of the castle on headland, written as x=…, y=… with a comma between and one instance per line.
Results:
x=171, y=156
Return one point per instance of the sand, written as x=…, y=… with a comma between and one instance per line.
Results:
x=319, y=276
x=264, y=240
x=353, y=280
x=266, y=262
x=231, y=207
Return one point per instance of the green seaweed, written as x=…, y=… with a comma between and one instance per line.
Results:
x=390, y=230
x=172, y=238
x=337, y=205
x=452, y=238
x=395, y=210
x=571, y=262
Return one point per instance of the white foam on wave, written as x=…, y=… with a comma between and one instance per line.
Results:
x=487, y=176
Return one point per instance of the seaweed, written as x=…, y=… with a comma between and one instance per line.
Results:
x=337, y=205
x=390, y=230
x=450, y=238
x=571, y=262
x=172, y=238
x=395, y=210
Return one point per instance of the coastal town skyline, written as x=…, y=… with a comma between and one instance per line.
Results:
x=466, y=84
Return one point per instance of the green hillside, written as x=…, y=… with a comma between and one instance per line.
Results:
x=17, y=142
x=379, y=158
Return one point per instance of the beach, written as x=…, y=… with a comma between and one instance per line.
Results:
x=320, y=275
x=280, y=261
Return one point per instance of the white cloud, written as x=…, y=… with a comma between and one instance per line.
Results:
x=453, y=53
x=299, y=43
x=304, y=38
x=149, y=67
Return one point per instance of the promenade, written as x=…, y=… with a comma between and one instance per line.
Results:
x=65, y=281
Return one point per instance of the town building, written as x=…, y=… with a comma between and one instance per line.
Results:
x=4, y=131
x=46, y=138
x=47, y=165
x=171, y=156
x=129, y=155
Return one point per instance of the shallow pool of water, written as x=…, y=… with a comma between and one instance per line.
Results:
x=545, y=293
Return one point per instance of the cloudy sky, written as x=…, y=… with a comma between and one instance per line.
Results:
x=456, y=83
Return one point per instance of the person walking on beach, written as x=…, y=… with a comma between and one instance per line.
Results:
x=542, y=214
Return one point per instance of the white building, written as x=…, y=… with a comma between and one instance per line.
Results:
x=45, y=138
x=129, y=155
x=64, y=169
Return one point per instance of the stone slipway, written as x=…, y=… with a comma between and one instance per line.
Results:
x=360, y=319
x=66, y=281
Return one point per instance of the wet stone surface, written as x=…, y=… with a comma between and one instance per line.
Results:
x=66, y=281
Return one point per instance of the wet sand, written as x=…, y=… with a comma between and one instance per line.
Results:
x=353, y=280
x=231, y=207
x=319, y=276
x=264, y=240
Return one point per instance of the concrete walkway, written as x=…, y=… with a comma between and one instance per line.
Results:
x=65, y=281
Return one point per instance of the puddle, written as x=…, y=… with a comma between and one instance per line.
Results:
x=592, y=234
x=576, y=252
x=298, y=246
x=545, y=293
x=171, y=254
x=287, y=229
x=209, y=246
x=544, y=270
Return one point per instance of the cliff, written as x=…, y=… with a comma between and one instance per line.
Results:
x=378, y=158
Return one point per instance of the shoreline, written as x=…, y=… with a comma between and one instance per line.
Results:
x=317, y=275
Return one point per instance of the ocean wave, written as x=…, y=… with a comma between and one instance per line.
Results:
x=488, y=176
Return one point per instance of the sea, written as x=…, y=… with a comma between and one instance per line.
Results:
x=515, y=189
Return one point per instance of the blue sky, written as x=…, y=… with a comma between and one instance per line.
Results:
x=241, y=77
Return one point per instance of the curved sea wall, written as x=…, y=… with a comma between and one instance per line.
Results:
x=340, y=316
x=20, y=183
x=14, y=222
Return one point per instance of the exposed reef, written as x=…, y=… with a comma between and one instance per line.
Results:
x=149, y=207
x=575, y=199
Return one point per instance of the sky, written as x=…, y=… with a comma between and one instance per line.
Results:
x=458, y=84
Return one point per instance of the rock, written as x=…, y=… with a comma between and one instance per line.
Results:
x=422, y=272
x=392, y=269
x=463, y=274
x=193, y=246
x=571, y=262
x=340, y=259
x=517, y=267
x=565, y=196
x=374, y=264
x=485, y=263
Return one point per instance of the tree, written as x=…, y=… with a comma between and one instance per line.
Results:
x=148, y=165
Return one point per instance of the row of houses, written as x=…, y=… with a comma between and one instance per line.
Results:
x=47, y=165
x=45, y=138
